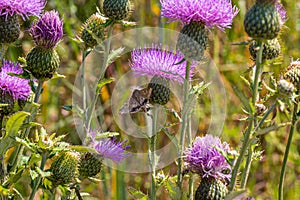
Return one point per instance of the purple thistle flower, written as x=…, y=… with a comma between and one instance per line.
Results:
x=156, y=61
x=219, y=13
x=24, y=8
x=17, y=87
x=48, y=30
x=204, y=157
x=109, y=148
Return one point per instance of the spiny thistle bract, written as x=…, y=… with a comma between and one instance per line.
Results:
x=42, y=63
x=160, y=90
x=285, y=88
x=155, y=61
x=116, y=9
x=9, y=29
x=193, y=40
x=292, y=74
x=9, y=12
x=93, y=30
x=64, y=168
x=211, y=189
x=271, y=49
x=264, y=19
x=89, y=165
x=13, y=89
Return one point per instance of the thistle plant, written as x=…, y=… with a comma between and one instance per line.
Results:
x=263, y=23
x=162, y=66
x=197, y=17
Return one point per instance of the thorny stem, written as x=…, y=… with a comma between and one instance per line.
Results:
x=286, y=153
x=247, y=169
x=252, y=121
x=37, y=181
x=184, y=124
x=107, y=50
x=19, y=148
x=250, y=153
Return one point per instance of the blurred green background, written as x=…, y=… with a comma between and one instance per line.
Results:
x=231, y=60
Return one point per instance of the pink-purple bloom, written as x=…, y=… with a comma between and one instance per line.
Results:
x=109, y=148
x=163, y=63
x=219, y=13
x=12, y=85
x=24, y=8
x=282, y=12
x=48, y=30
x=205, y=158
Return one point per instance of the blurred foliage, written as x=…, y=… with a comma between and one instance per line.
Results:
x=232, y=61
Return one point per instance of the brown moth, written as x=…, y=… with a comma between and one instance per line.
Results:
x=137, y=102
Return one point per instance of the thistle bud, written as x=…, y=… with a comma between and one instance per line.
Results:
x=64, y=168
x=160, y=90
x=211, y=189
x=89, y=165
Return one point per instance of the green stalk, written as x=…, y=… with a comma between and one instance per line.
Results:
x=38, y=91
x=37, y=181
x=19, y=149
x=287, y=150
x=250, y=153
x=184, y=124
x=151, y=151
x=252, y=120
x=84, y=54
x=247, y=168
x=107, y=50
x=257, y=75
x=190, y=194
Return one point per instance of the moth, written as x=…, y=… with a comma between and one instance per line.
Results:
x=137, y=102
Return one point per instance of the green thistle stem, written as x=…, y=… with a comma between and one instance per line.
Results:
x=37, y=181
x=252, y=120
x=84, y=54
x=257, y=75
x=19, y=149
x=184, y=124
x=286, y=153
x=250, y=153
x=247, y=168
x=152, y=149
x=38, y=91
x=190, y=194
x=106, y=53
